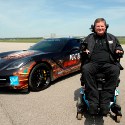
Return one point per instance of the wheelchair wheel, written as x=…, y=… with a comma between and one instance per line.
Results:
x=118, y=118
x=118, y=101
x=79, y=101
x=79, y=108
x=118, y=114
x=79, y=116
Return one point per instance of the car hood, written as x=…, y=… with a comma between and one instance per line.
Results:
x=11, y=56
x=18, y=54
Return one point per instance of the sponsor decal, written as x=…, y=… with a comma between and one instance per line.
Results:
x=116, y=92
x=70, y=63
x=110, y=42
x=74, y=59
x=14, y=80
x=75, y=56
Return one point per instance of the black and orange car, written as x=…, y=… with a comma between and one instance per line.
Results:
x=35, y=68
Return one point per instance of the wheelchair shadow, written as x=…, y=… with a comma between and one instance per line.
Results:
x=93, y=120
x=89, y=119
x=76, y=94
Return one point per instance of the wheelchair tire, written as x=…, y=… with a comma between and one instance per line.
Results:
x=118, y=101
x=79, y=108
x=79, y=116
x=118, y=111
x=79, y=102
x=118, y=118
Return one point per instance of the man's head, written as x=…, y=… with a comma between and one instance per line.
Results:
x=100, y=26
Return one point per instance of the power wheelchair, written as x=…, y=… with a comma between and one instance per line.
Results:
x=82, y=102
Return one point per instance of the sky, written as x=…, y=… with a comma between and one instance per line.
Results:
x=60, y=18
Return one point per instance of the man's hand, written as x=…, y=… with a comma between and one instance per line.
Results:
x=118, y=51
x=87, y=51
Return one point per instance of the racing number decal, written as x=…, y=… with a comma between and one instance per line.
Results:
x=75, y=56
x=73, y=59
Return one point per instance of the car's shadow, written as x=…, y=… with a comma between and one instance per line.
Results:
x=64, y=77
x=5, y=90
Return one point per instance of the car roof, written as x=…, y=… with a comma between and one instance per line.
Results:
x=63, y=38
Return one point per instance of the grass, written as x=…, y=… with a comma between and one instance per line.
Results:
x=121, y=40
x=34, y=40
x=21, y=40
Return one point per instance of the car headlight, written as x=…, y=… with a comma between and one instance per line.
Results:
x=15, y=65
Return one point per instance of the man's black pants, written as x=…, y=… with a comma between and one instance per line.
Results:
x=111, y=72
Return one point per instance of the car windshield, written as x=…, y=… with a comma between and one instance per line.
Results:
x=49, y=45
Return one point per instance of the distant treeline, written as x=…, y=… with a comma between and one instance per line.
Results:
x=22, y=40
x=37, y=39
x=121, y=39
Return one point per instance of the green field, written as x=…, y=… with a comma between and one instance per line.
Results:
x=121, y=39
x=34, y=40
x=22, y=40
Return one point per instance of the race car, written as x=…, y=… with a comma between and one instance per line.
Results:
x=35, y=68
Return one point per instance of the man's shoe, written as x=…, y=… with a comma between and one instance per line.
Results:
x=104, y=110
x=93, y=109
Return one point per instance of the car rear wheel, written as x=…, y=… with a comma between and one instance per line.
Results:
x=40, y=77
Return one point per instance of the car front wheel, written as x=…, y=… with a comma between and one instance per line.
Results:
x=40, y=77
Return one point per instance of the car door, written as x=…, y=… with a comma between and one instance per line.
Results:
x=71, y=55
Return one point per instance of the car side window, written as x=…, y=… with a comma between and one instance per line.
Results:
x=71, y=44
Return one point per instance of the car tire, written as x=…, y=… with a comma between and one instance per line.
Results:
x=39, y=77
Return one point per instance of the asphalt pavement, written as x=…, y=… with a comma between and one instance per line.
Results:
x=55, y=105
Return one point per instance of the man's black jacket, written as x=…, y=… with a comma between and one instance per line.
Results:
x=113, y=45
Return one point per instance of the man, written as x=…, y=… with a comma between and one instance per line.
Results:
x=102, y=51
